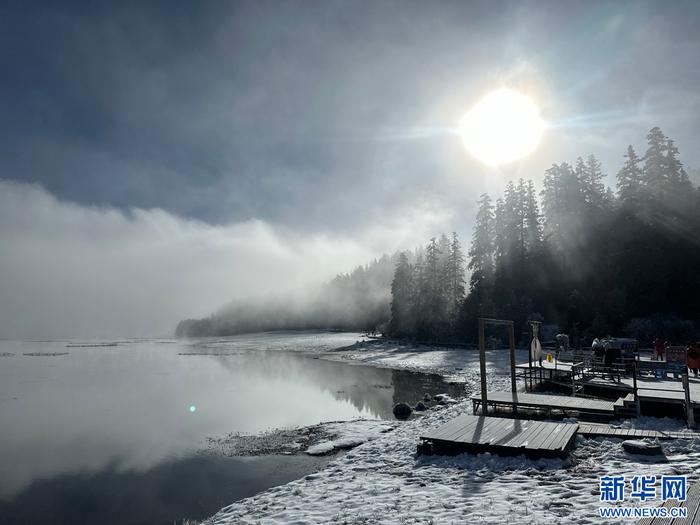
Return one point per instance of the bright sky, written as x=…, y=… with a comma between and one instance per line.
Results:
x=322, y=123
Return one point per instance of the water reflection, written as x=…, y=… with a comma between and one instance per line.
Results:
x=190, y=488
x=104, y=414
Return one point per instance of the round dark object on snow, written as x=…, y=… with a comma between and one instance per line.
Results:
x=420, y=407
x=402, y=411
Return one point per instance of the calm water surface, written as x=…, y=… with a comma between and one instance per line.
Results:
x=110, y=434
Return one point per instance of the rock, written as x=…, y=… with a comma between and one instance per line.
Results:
x=420, y=407
x=444, y=399
x=402, y=411
x=426, y=397
x=638, y=446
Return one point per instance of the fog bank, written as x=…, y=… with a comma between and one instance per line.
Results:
x=74, y=271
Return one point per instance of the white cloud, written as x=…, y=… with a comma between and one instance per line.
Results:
x=68, y=270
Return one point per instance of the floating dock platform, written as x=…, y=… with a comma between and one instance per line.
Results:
x=535, y=439
x=579, y=406
x=503, y=436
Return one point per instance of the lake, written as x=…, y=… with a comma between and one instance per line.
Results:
x=112, y=431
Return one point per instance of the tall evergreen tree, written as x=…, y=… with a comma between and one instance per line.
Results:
x=592, y=186
x=533, y=219
x=481, y=253
x=629, y=179
x=455, y=273
x=402, y=296
x=655, y=172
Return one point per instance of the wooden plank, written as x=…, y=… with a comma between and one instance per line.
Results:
x=538, y=437
x=466, y=429
x=555, y=438
x=502, y=435
x=456, y=427
x=539, y=441
x=570, y=434
x=450, y=428
x=558, y=434
x=519, y=439
x=493, y=431
x=473, y=432
x=444, y=428
x=549, y=401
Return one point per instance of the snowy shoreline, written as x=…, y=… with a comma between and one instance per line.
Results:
x=383, y=481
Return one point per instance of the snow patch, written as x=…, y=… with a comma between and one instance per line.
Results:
x=348, y=435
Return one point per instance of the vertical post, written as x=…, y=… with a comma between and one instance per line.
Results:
x=688, y=406
x=637, y=403
x=482, y=365
x=511, y=341
x=529, y=353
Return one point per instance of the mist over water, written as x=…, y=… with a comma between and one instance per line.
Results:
x=71, y=270
x=75, y=417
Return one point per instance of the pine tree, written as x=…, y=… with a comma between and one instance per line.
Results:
x=455, y=265
x=629, y=179
x=563, y=204
x=508, y=226
x=655, y=170
x=533, y=219
x=433, y=313
x=481, y=253
x=593, y=187
x=402, y=296
x=444, y=281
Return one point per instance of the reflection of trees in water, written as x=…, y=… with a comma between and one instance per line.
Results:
x=410, y=387
x=367, y=388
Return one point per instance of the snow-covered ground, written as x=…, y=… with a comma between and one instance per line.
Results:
x=455, y=364
x=382, y=480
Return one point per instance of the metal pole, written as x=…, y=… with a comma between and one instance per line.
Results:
x=482, y=365
x=637, y=403
x=511, y=341
x=513, y=386
x=529, y=353
x=688, y=406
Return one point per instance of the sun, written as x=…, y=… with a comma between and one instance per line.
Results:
x=502, y=127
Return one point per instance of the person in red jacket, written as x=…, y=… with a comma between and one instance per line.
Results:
x=659, y=347
x=694, y=358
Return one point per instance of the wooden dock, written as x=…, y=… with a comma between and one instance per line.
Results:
x=503, y=436
x=593, y=430
x=650, y=389
x=692, y=503
x=546, y=403
x=536, y=439
x=561, y=366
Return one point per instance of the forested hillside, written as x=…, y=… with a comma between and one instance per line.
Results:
x=592, y=260
x=576, y=253
x=355, y=301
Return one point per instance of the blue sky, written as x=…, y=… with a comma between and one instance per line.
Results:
x=320, y=120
